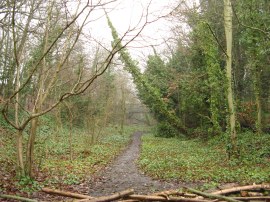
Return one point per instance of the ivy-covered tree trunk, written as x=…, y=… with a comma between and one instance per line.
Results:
x=150, y=95
x=123, y=110
x=231, y=107
x=257, y=92
x=215, y=77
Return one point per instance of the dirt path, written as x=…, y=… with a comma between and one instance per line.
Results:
x=123, y=174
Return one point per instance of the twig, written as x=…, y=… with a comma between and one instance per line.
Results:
x=214, y=35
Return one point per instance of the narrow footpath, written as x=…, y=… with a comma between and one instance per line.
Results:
x=123, y=174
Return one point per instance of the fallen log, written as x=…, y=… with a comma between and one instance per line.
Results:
x=161, y=198
x=242, y=188
x=212, y=196
x=17, y=198
x=66, y=193
x=253, y=198
x=112, y=197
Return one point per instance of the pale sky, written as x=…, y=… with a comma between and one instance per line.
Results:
x=126, y=14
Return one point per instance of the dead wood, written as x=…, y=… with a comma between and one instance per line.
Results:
x=168, y=192
x=190, y=195
x=161, y=198
x=112, y=197
x=169, y=195
x=242, y=188
x=174, y=193
x=66, y=193
x=129, y=200
x=17, y=198
x=249, y=193
x=253, y=198
x=212, y=196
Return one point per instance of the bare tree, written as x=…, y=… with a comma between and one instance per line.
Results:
x=47, y=63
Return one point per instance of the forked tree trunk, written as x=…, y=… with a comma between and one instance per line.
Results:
x=19, y=145
x=30, y=148
x=228, y=34
x=19, y=137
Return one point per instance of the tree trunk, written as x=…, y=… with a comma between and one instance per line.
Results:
x=259, y=115
x=70, y=132
x=258, y=100
x=58, y=119
x=228, y=33
x=20, y=162
x=30, y=148
x=123, y=107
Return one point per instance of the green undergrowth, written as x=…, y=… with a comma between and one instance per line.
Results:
x=71, y=166
x=63, y=156
x=196, y=160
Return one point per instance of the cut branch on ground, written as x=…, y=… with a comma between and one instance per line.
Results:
x=112, y=197
x=65, y=193
x=212, y=196
x=242, y=188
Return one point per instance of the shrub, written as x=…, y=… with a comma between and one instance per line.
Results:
x=164, y=129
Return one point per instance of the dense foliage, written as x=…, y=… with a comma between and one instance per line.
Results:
x=192, y=80
x=61, y=90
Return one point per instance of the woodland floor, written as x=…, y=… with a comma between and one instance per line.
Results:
x=123, y=174
x=119, y=175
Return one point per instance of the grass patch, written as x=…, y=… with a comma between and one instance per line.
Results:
x=195, y=160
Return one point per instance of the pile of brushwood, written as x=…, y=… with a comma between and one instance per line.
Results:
x=235, y=194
